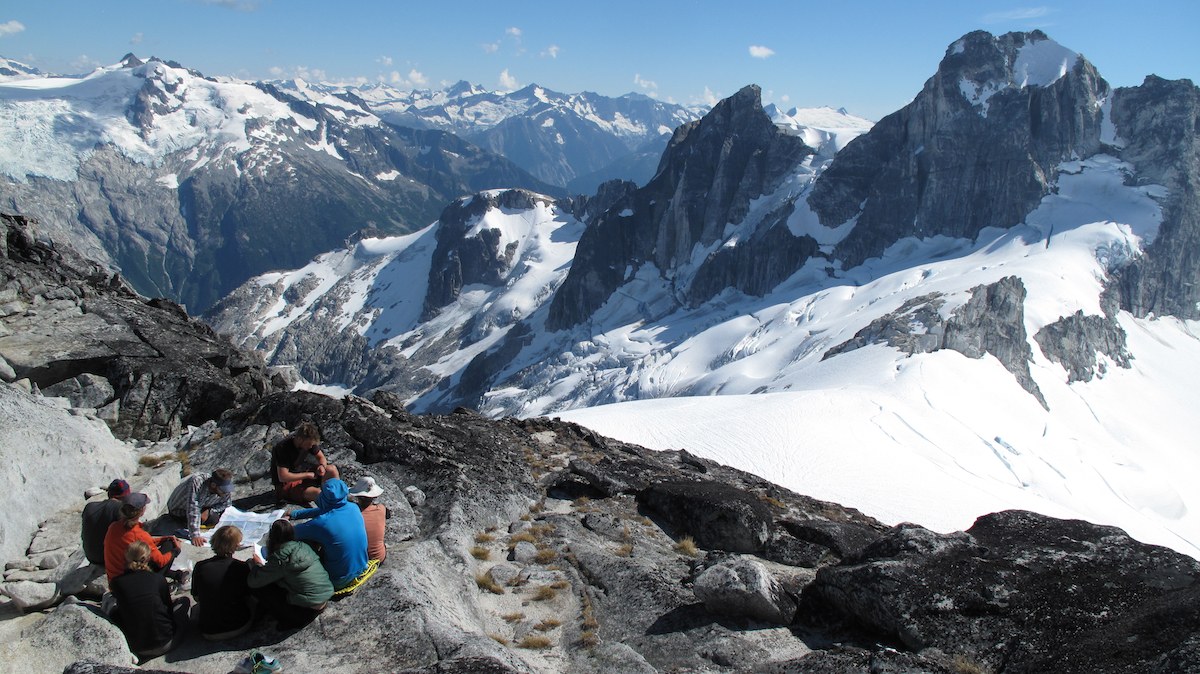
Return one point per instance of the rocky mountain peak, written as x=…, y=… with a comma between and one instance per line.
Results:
x=978, y=147
x=711, y=170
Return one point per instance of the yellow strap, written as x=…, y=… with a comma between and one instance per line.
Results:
x=372, y=566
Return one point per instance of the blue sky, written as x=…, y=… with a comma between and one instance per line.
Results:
x=870, y=57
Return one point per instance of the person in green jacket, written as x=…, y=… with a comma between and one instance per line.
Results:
x=292, y=584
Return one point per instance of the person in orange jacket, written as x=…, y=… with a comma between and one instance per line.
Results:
x=129, y=529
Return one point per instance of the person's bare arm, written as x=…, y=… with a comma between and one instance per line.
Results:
x=286, y=475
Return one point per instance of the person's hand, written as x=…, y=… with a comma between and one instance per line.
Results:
x=198, y=541
x=257, y=560
x=321, y=470
x=287, y=514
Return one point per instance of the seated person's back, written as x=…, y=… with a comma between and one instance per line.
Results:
x=338, y=526
x=144, y=605
x=220, y=590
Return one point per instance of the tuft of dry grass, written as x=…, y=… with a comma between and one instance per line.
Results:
x=545, y=593
x=588, y=638
x=149, y=460
x=547, y=625
x=545, y=556
x=625, y=550
x=484, y=538
x=526, y=518
x=499, y=639
x=964, y=665
x=485, y=582
x=517, y=538
x=773, y=501
x=541, y=530
x=642, y=519
x=480, y=552
x=687, y=546
x=513, y=617
x=534, y=642
x=560, y=585
x=581, y=501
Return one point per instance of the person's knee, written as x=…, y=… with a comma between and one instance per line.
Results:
x=331, y=472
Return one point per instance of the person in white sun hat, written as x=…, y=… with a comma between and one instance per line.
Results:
x=374, y=515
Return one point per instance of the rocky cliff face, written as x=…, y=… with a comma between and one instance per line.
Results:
x=978, y=147
x=71, y=328
x=1157, y=127
x=706, y=179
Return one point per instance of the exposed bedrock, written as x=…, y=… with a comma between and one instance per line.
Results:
x=947, y=164
x=706, y=178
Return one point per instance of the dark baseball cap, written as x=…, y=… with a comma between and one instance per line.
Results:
x=118, y=488
x=137, y=499
x=225, y=487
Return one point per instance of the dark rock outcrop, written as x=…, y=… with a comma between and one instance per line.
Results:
x=991, y=321
x=460, y=260
x=151, y=369
x=707, y=177
x=1025, y=592
x=946, y=164
x=1159, y=123
x=1073, y=342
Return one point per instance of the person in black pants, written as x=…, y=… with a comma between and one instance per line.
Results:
x=153, y=624
x=219, y=588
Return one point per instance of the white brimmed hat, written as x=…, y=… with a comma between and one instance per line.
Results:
x=366, y=487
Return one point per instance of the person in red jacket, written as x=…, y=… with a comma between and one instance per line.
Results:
x=129, y=529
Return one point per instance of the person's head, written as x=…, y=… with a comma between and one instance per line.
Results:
x=132, y=508
x=281, y=532
x=225, y=541
x=137, y=556
x=118, y=489
x=307, y=436
x=221, y=481
x=365, y=491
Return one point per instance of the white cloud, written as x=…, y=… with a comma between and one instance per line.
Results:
x=276, y=71
x=508, y=82
x=552, y=51
x=83, y=64
x=643, y=83
x=414, y=79
x=707, y=98
x=385, y=60
x=136, y=39
x=760, y=52
x=11, y=28
x=1017, y=14
x=490, y=48
x=784, y=98
x=514, y=31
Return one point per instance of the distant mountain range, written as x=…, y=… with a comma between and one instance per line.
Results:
x=556, y=137
x=992, y=291
x=191, y=184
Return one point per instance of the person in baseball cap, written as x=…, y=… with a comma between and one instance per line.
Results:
x=197, y=502
x=97, y=515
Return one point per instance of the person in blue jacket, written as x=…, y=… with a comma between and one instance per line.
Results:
x=338, y=526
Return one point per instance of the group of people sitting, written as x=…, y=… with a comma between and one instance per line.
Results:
x=303, y=565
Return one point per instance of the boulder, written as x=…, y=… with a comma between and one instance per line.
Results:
x=744, y=587
x=503, y=574
x=718, y=516
x=1024, y=592
x=60, y=456
x=29, y=595
x=524, y=552
x=71, y=633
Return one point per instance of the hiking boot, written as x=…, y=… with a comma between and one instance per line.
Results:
x=257, y=663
